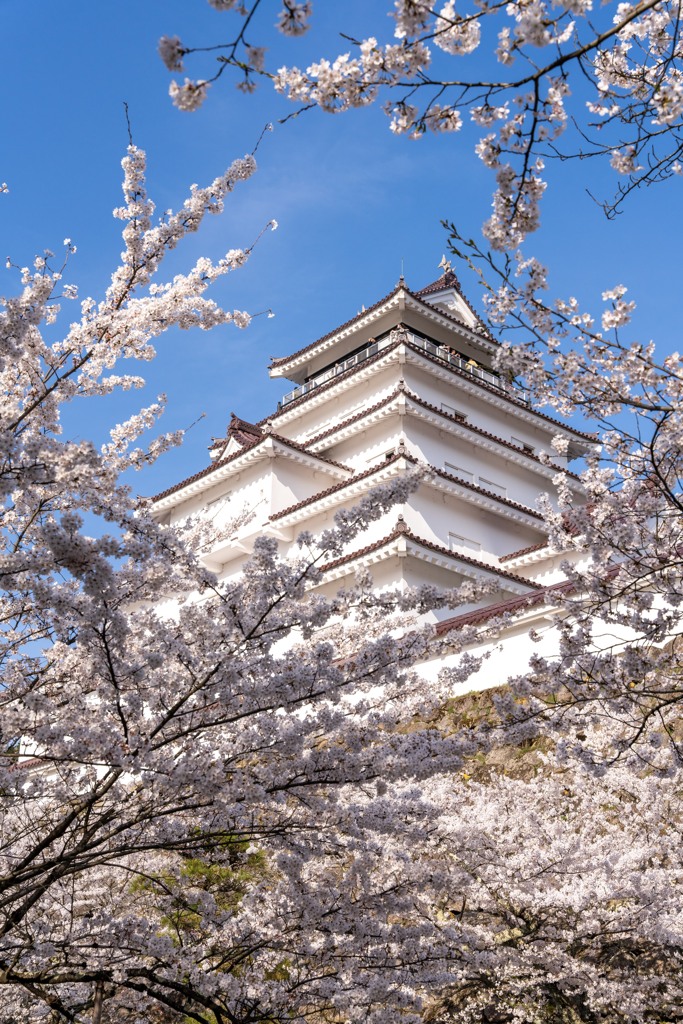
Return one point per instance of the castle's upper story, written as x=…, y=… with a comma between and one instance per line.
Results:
x=408, y=382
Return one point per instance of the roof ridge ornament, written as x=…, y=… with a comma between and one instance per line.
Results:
x=401, y=525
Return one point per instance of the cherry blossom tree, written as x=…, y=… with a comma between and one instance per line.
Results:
x=540, y=80
x=207, y=811
x=619, y=643
x=133, y=739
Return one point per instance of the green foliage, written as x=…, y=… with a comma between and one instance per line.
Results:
x=225, y=879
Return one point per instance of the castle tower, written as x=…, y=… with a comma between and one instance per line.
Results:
x=408, y=382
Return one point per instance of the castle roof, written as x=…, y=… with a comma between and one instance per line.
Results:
x=402, y=530
x=226, y=463
x=459, y=420
x=506, y=609
x=439, y=362
x=447, y=281
x=481, y=333
x=434, y=471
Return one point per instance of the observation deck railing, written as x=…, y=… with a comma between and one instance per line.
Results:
x=441, y=352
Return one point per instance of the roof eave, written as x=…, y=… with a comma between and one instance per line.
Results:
x=167, y=500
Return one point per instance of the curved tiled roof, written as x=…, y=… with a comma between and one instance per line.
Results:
x=447, y=280
x=401, y=530
x=500, y=394
x=330, y=383
x=524, y=551
x=482, y=332
x=357, y=417
x=487, y=433
x=409, y=458
x=438, y=362
x=338, y=487
x=478, y=616
x=441, y=412
x=483, y=490
x=242, y=431
x=401, y=286
x=219, y=463
x=282, y=360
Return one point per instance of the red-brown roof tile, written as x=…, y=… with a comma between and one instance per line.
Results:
x=447, y=280
x=337, y=487
x=484, y=332
x=484, y=490
x=330, y=383
x=401, y=530
x=231, y=458
x=240, y=430
x=355, y=418
x=501, y=394
x=524, y=551
x=409, y=458
x=282, y=360
x=478, y=616
x=439, y=362
x=460, y=420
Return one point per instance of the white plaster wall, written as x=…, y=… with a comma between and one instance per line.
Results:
x=418, y=572
x=387, y=574
x=369, y=445
x=505, y=657
x=339, y=402
x=250, y=488
x=522, y=483
x=504, y=420
x=324, y=519
x=434, y=514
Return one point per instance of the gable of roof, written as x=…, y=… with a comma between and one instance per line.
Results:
x=449, y=280
x=240, y=431
x=222, y=463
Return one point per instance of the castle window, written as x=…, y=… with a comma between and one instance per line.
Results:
x=456, y=540
x=491, y=485
x=524, y=445
x=464, y=474
x=452, y=411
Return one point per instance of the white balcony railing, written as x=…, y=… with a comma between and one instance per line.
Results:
x=471, y=367
x=440, y=351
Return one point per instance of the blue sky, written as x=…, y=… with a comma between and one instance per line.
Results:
x=352, y=200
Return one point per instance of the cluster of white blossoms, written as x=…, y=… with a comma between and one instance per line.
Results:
x=454, y=34
x=620, y=313
x=171, y=52
x=293, y=19
x=189, y=96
